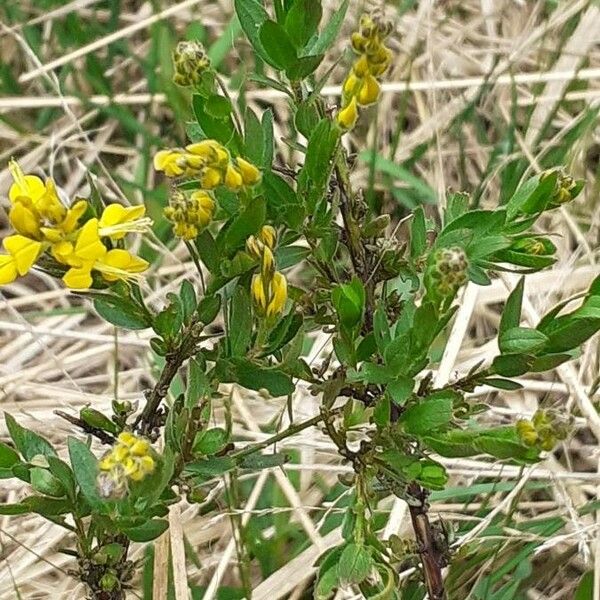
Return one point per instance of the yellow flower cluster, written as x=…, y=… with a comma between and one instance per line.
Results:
x=130, y=458
x=361, y=87
x=210, y=161
x=544, y=430
x=269, y=286
x=189, y=214
x=43, y=224
x=212, y=164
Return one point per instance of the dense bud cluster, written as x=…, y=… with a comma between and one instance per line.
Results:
x=189, y=63
x=449, y=270
x=269, y=286
x=361, y=86
x=189, y=213
x=544, y=430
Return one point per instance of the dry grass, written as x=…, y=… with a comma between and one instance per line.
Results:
x=55, y=353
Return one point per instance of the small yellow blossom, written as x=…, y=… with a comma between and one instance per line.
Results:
x=348, y=116
x=131, y=458
x=250, y=173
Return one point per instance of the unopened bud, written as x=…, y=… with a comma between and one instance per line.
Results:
x=189, y=62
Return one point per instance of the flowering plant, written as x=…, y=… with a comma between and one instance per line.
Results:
x=384, y=291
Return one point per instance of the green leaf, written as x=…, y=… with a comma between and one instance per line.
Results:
x=198, y=384
x=511, y=315
x=256, y=377
x=284, y=332
x=418, y=234
x=189, y=303
x=211, y=441
x=85, y=468
x=585, y=589
x=44, y=482
x=148, y=531
x=64, y=474
x=247, y=223
x=283, y=202
x=349, y=302
x=533, y=196
x=252, y=15
x=512, y=365
x=218, y=106
x=8, y=457
x=306, y=118
x=400, y=389
x=121, y=312
x=253, y=137
x=430, y=414
x=355, y=564
x=502, y=384
x=208, y=309
x=303, y=67
x=268, y=149
x=519, y=340
x=302, y=21
x=240, y=322
x=210, y=467
x=278, y=45
x=330, y=31
x=27, y=442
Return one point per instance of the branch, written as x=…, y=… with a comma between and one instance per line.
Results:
x=103, y=436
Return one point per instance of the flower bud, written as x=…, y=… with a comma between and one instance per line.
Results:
x=348, y=116
x=448, y=272
x=189, y=63
x=233, y=178
x=268, y=236
x=278, y=295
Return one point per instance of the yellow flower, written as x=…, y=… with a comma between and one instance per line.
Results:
x=233, y=178
x=210, y=151
x=28, y=187
x=171, y=162
x=90, y=254
x=24, y=220
x=210, y=178
x=117, y=221
x=369, y=91
x=278, y=295
x=348, y=116
x=131, y=456
x=250, y=173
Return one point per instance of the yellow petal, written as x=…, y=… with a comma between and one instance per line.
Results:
x=250, y=173
x=233, y=178
x=73, y=215
x=61, y=251
x=88, y=246
x=279, y=291
x=8, y=269
x=127, y=438
x=78, y=278
x=348, y=116
x=258, y=293
x=369, y=91
x=114, y=214
x=24, y=250
x=210, y=178
x=24, y=220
